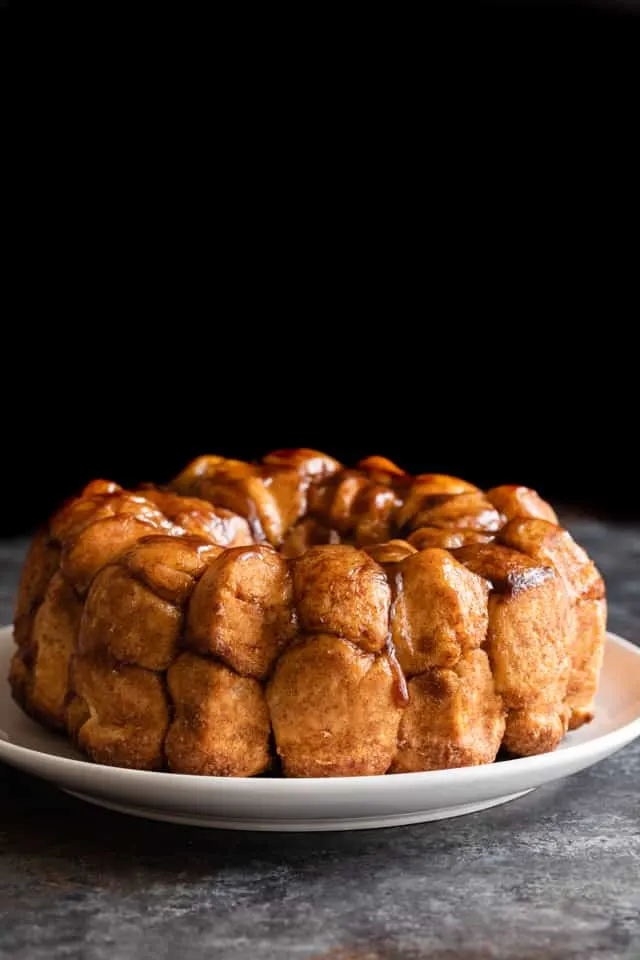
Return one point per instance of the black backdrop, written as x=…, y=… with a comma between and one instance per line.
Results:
x=571, y=433
x=459, y=307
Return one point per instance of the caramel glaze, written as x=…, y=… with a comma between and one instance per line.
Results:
x=383, y=467
x=401, y=691
x=310, y=463
x=374, y=501
x=445, y=537
x=241, y=503
x=363, y=504
x=390, y=556
x=355, y=500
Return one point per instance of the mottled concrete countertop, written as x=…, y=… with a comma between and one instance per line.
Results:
x=553, y=875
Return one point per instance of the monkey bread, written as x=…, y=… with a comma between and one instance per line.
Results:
x=295, y=617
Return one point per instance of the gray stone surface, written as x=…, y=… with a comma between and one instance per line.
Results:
x=553, y=875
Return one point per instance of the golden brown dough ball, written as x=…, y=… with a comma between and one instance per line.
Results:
x=393, y=551
x=76, y=515
x=221, y=723
x=242, y=611
x=86, y=533
x=118, y=713
x=100, y=486
x=447, y=539
x=134, y=607
x=170, y=565
x=334, y=502
x=39, y=673
x=84, y=554
x=424, y=488
x=374, y=514
x=514, y=501
x=463, y=511
x=129, y=633
x=335, y=710
x=93, y=530
x=286, y=489
x=125, y=617
x=527, y=644
x=547, y=543
x=201, y=518
x=454, y=718
x=586, y=658
x=40, y=565
x=100, y=498
x=341, y=590
x=439, y=610
x=383, y=471
x=429, y=483
x=309, y=463
x=272, y=498
x=360, y=504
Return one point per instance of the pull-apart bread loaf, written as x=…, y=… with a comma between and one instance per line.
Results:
x=300, y=618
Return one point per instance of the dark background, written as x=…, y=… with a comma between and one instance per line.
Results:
x=558, y=423
x=445, y=272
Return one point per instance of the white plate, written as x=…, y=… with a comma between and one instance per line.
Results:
x=339, y=803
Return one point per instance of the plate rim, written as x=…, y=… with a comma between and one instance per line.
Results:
x=275, y=786
x=297, y=824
